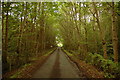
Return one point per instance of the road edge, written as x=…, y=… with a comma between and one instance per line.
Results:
x=29, y=70
x=87, y=72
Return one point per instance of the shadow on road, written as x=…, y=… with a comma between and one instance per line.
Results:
x=56, y=68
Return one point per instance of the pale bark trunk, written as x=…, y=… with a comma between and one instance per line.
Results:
x=86, y=33
x=101, y=33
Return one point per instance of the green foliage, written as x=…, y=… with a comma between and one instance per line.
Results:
x=11, y=59
x=110, y=68
x=96, y=59
x=108, y=75
x=70, y=54
x=15, y=75
x=88, y=58
x=48, y=53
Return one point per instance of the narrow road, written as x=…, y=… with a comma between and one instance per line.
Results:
x=58, y=65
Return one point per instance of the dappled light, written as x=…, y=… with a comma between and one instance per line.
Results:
x=59, y=44
x=60, y=39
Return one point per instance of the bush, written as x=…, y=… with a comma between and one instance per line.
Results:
x=88, y=58
x=97, y=59
x=110, y=68
x=103, y=64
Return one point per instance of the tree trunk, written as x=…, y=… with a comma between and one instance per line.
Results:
x=114, y=35
x=101, y=32
x=5, y=64
x=86, y=33
x=118, y=19
x=42, y=27
x=2, y=25
x=6, y=38
x=79, y=46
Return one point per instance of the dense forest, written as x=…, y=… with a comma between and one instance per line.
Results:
x=89, y=30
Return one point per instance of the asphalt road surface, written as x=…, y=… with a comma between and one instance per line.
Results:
x=58, y=65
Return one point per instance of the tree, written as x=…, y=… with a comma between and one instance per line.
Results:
x=101, y=32
x=114, y=34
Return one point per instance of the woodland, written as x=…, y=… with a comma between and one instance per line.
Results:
x=88, y=30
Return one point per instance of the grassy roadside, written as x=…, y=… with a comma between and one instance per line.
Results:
x=88, y=70
x=27, y=70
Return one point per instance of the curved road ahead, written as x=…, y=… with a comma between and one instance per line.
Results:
x=58, y=65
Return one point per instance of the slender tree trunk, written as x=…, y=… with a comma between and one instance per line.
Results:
x=20, y=34
x=86, y=33
x=5, y=64
x=79, y=46
x=77, y=26
x=26, y=38
x=42, y=27
x=114, y=35
x=3, y=41
x=96, y=45
x=101, y=32
x=20, y=42
x=118, y=19
x=6, y=36
x=38, y=35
